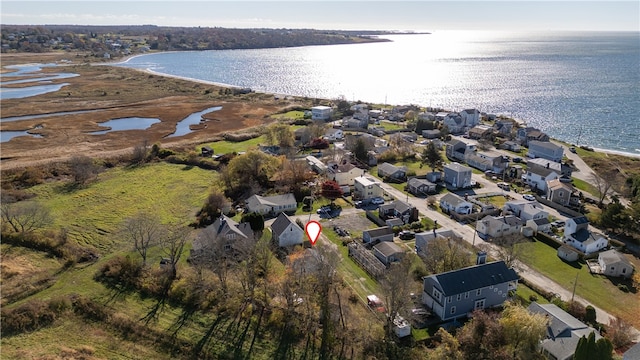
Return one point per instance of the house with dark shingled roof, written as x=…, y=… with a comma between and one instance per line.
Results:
x=457, y=293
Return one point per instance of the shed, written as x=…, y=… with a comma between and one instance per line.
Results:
x=568, y=253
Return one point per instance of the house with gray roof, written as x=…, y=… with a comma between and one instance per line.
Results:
x=451, y=202
x=633, y=353
x=457, y=293
x=223, y=237
x=537, y=177
x=285, y=232
x=374, y=236
x=420, y=187
x=496, y=227
x=561, y=168
x=614, y=263
x=431, y=134
x=457, y=176
x=400, y=210
x=272, y=205
x=563, y=331
x=577, y=234
x=388, y=252
x=455, y=150
x=526, y=134
x=539, y=225
x=392, y=172
x=545, y=150
x=424, y=238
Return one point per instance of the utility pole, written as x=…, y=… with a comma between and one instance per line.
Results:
x=575, y=283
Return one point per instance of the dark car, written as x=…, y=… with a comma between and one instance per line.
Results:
x=406, y=235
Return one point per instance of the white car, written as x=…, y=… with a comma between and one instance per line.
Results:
x=528, y=197
x=377, y=201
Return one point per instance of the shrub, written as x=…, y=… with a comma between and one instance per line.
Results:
x=120, y=271
x=590, y=314
x=533, y=297
x=623, y=288
x=89, y=309
x=28, y=317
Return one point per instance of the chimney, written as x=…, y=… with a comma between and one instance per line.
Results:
x=547, y=165
x=482, y=258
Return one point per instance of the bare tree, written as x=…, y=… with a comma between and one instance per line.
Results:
x=143, y=230
x=603, y=185
x=443, y=255
x=507, y=249
x=82, y=169
x=173, y=242
x=396, y=287
x=25, y=216
x=140, y=153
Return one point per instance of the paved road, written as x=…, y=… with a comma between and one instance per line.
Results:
x=468, y=234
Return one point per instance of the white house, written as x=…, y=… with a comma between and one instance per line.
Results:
x=453, y=203
x=366, y=187
x=333, y=134
x=285, y=232
x=377, y=235
x=495, y=227
x=537, y=177
x=577, y=234
x=388, y=252
x=424, y=238
x=561, y=168
x=321, y=113
x=272, y=205
x=539, y=225
x=471, y=117
x=455, y=123
x=344, y=173
x=545, y=150
x=613, y=263
x=457, y=176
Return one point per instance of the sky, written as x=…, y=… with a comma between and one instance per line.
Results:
x=335, y=15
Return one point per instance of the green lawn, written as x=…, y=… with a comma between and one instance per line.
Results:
x=290, y=115
x=390, y=126
x=585, y=186
x=595, y=288
x=497, y=201
x=227, y=147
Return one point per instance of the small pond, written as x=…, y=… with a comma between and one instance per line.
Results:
x=38, y=89
x=8, y=135
x=183, y=127
x=130, y=123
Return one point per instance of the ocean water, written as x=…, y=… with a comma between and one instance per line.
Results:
x=582, y=88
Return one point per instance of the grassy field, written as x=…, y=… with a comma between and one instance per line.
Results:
x=227, y=147
x=597, y=289
x=585, y=186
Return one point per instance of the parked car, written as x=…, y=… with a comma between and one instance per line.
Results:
x=529, y=197
x=406, y=235
x=504, y=186
x=517, y=160
x=377, y=201
x=572, y=149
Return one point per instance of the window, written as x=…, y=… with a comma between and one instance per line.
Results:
x=436, y=294
x=495, y=289
x=479, y=304
x=478, y=292
x=449, y=299
x=612, y=268
x=453, y=310
x=459, y=297
x=466, y=295
x=624, y=270
x=490, y=286
x=227, y=247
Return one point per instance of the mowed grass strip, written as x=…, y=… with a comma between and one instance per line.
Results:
x=597, y=289
x=93, y=213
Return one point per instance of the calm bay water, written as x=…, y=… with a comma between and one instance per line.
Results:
x=579, y=87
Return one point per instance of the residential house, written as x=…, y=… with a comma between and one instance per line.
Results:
x=455, y=123
x=453, y=203
x=360, y=112
x=559, y=192
x=400, y=210
x=272, y=205
x=561, y=168
x=537, y=177
x=431, y=134
x=511, y=146
x=480, y=132
x=365, y=188
x=503, y=127
x=333, y=134
x=354, y=123
x=316, y=164
x=496, y=227
x=545, y=150
x=614, y=263
x=526, y=134
x=420, y=187
x=457, y=293
x=563, y=331
x=344, y=173
x=424, y=238
x=455, y=150
x=206, y=151
x=388, y=252
x=441, y=115
x=539, y=225
x=525, y=209
x=286, y=232
x=486, y=160
x=471, y=117
x=224, y=237
x=434, y=176
x=568, y=253
x=457, y=176
x=577, y=234
x=633, y=353
x=374, y=236
x=321, y=113
x=392, y=172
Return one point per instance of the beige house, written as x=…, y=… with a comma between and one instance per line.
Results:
x=559, y=192
x=495, y=227
x=366, y=187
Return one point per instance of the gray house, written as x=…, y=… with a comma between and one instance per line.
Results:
x=457, y=176
x=388, y=252
x=563, y=331
x=545, y=150
x=390, y=171
x=613, y=263
x=420, y=186
x=424, y=238
x=285, y=232
x=377, y=235
x=399, y=210
x=455, y=294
